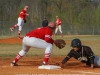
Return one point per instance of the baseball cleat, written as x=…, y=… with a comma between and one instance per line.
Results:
x=45, y=63
x=11, y=29
x=19, y=37
x=13, y=64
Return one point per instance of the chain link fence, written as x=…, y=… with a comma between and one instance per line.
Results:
x=67, y=29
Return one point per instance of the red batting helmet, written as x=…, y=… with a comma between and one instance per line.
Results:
x=52, y=24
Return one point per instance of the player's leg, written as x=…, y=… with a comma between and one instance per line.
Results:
x=60, y=30
x=38, y=43
x=20, y=24
x=47, y=53
x=88, y=63
x=24, y=50
x=56, y=31
x=20, y=55
x=13, y=27
x=19, y=32
x=97, y=61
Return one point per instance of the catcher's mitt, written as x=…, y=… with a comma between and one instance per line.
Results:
x=60, y=43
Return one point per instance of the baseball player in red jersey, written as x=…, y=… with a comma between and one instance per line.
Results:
x=38, y=38
x=58, y=26
x=21, y=20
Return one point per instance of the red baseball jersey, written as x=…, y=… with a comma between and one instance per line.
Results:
x=22, y=14
x=58, y=21
x=43, y=33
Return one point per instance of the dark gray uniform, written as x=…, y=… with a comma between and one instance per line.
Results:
x=87, y=56
x=45, y=23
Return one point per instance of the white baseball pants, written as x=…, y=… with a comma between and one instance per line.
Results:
x=97, y=61
x=20, y=23
x=35, y=42
x=58, y=27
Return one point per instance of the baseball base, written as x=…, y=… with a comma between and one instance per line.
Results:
x=49, y=67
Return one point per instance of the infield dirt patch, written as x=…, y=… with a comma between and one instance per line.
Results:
x=29, y=65
x=11, y=41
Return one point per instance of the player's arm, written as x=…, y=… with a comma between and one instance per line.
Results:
x=90, y=56
x=69, y=55
x=48, y=37
x=92, y=66
x=56, y=22
x=23, y=13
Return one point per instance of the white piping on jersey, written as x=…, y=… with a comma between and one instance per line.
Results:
x=48, y=36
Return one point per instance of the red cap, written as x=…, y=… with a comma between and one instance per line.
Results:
x=52, y=24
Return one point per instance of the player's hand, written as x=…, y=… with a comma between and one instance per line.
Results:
x=92, y=66
x=60, y=64
x=27, y=14
x=56, y=25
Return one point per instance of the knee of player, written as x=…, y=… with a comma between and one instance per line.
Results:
x=98, y=63
x=49, y=46
x=22, y=52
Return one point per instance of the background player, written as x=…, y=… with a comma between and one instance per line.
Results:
x=45, y=22
x=58, y=26
x=82, y=53
x=21, y=20
x=38, y=38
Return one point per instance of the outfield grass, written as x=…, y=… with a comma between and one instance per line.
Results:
x=11, y=50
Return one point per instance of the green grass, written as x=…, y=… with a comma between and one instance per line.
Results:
x=11, y=50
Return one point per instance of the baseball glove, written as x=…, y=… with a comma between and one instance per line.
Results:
x=60, y=43
x=24, y=21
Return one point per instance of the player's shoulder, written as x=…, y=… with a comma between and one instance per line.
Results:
x=86, y=47
x=42, y=28
x=72, y=50
x=46, y=28
x=22, y=10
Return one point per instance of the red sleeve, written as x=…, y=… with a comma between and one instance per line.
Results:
x=58, y=21
x=48, y=37
x=22, y=12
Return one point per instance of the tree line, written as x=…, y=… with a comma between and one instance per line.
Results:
x=78, y=16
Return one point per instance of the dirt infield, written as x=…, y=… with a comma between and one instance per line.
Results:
x=11, y=41
x=29, y=65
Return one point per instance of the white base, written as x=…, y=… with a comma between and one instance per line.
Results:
x=49, y=67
